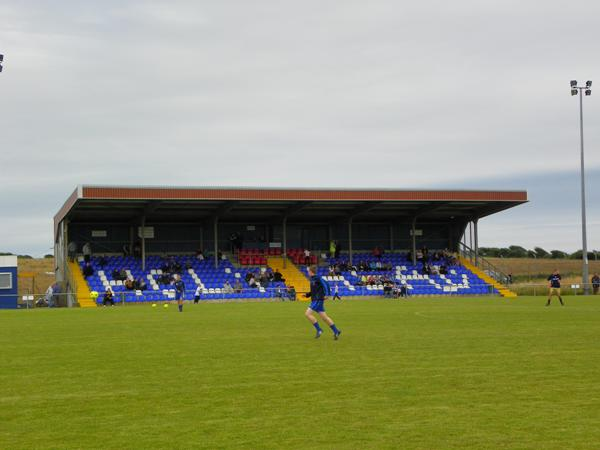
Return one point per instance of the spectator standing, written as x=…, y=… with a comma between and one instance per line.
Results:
x=48, y=296
x=377, y=252
x=88, y=270
x=87, y=251
x=336, y=292
x=338, y=249
x=307, y=257
x=198, y=294
x=595, y=284
x=332, y=249
x=72, y=250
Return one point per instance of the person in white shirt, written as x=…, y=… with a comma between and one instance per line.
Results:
x=307, y=257
x=87, y=251
x=72, y=250
x=336, y=292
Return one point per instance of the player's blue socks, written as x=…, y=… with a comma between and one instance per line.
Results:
x=180, y=308
x=319, y=330
x=334, y=329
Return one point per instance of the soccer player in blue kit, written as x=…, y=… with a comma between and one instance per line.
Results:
x=179, y=291
x=318, y=290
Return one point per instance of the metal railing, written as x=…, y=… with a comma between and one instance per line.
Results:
x=483, y=264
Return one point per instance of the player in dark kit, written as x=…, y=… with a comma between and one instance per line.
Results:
x=554, y=285
x=318, y=291
x=179, y=291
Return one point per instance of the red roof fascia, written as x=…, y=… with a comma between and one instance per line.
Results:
x=157, y=193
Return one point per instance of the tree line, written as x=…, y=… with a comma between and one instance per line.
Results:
x=516, y=251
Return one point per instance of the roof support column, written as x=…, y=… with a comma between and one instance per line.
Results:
x=391, y=237
x=131, y=238
x=471, y=241
x=413, y=231
x=350, y=240
x=284, y=242
x=202, y=238
x=476, y=234
x=216, y=236
x=143, y=243
x=65, y=250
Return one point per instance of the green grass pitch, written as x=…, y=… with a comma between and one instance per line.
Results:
x=425, y=373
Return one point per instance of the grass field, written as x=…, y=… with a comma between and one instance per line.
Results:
x=424, y=373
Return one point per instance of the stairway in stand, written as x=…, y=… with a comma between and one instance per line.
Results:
x=503, y=290
x=292, y=274
x=84, y=297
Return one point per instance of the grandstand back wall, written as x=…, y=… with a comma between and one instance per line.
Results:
x=175, y=238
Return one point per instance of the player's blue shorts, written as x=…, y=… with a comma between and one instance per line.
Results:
x=179, y=295
x=317, y=305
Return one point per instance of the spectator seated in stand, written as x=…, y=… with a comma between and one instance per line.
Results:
x=252, y=282
x=227, y=288
x=140, y=284
x=387, y=289
x=395, y=267
x=237, y=286
x=164, y=278
x=129, y=284
x=291, y=293
x=277, y=277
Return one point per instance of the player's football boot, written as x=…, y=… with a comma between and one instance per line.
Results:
x=336, y=336
x=319, y=333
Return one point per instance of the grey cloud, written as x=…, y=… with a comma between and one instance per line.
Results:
x=382, y=93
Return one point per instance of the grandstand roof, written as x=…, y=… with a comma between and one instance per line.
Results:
x=187, y=204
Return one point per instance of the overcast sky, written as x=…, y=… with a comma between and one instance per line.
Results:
x=427, y=94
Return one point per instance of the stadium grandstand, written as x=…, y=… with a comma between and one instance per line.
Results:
x=255, y=242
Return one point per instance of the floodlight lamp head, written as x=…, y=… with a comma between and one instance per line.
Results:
x=573, y=83
x=588, y=92
x=573, y=91
x=588, y=84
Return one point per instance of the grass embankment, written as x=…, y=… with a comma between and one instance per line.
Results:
x=421, y=374
x=530, y=274
x=536, y=270
x=42, y=270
